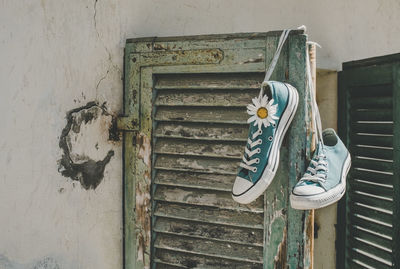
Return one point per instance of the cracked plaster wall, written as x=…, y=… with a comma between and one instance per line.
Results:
x=56, y=56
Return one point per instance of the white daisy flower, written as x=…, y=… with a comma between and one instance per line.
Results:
x=262, y=112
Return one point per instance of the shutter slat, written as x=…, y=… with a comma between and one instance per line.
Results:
x=195, y=180
x=376, y=91
x=196, y=164
x=379, y=153
x=210, y=231
x=200, y=126
x=371, y=213
x=209, y=81
x=383, y=254
x=201, y=148
x=371, y=140
x=196, y=131
x=199, y=261
x=198, y=114
x=372, y=102
x=373, y=164
x=372, y=115
x=374, y=177
x=206, y=98
x=382, y=191
x=371, y=201
x=205, y=197
x=371, y=237
x=369, y=261
x=378, y=228
x=372, y=128
x=210, y=215
x=210, y=248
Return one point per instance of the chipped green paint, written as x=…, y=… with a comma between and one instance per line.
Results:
x=193, y=174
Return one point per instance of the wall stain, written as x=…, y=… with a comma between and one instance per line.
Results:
x=88, y=172
x=44, y=263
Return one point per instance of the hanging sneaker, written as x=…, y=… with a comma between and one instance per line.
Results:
x=271, y=114
x=324, y=182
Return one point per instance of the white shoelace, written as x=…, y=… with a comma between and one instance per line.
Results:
x=246, y=164
x=318, y=173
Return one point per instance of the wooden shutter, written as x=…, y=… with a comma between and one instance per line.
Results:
x=185, y=132
x=370, y=124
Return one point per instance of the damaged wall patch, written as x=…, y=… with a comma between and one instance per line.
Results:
x=84, y=142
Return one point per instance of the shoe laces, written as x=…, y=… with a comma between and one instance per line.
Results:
x=252, y=148
x=317, y=170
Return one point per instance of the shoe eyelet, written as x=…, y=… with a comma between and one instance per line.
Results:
x=258, y=150
x=257, y=160
x=259, y=141
x=273, y=124
x=260, y=132
x=270, y=138
x=254, y=169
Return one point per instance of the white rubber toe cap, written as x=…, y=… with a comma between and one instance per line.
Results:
x=240, y=186
x=305, y=190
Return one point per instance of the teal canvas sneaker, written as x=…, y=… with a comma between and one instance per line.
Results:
x=324, y=182
x=270, y=116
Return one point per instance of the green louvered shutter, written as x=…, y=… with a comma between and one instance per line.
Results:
x=369, y=116
x=185, y=132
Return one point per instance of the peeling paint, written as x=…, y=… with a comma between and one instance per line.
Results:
x=280, y=258
x=43, y=263
x=80, y=166
x=143, y=200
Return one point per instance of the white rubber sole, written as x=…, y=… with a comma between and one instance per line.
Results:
x=273, y=162
x=323, y=199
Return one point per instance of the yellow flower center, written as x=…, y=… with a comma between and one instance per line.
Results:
x=262, y=113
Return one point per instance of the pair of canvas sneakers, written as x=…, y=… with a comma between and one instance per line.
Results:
x=324, y=181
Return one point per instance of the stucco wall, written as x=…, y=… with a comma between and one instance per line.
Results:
x=58, y=56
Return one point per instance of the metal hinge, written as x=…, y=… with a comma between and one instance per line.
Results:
x=127, y=124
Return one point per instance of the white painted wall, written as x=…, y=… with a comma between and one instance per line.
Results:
x=58, y=55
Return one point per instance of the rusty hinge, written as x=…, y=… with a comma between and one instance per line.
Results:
x=127, y=124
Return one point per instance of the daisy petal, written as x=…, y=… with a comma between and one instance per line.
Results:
x=251, y=112
x=252, y=118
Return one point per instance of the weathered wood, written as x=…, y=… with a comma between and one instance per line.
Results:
x=298, y=236
x=210, y=215
x=173, y=69
x=208, y=247
x=205, y=197
x=207, y=98
x=186, y=130
x=195, y=180
x=196, y=164
x=189, y=260
x=199, y=114
x=369, y=76
x=209, y=81
x=372, y=213
x=209, y=231
x=201, y=148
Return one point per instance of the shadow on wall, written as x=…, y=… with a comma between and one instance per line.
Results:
x=44, y=263
x=85, y=144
